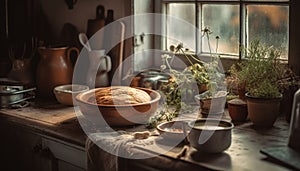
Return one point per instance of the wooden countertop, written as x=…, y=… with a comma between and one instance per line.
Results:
x=48, y=118
x=59, y=121
x=243, y=154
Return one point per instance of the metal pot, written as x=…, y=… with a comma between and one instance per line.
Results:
x=149, y=79
x=210, y=135
x=9, y=94
x=12, y=92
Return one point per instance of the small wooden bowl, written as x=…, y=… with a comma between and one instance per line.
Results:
x=173, y=130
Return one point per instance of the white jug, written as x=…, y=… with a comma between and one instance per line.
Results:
x=99, y=66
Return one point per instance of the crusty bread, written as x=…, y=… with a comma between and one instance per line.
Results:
x=121, y=95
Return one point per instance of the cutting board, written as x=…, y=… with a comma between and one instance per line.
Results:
x=56, y=114
x=96, y=24
x=284, y=154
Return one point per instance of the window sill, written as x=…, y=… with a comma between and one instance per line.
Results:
x=226, y=60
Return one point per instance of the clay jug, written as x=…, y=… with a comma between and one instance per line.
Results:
x=54, y=68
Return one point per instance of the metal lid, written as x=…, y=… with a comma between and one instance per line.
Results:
x=7, y=81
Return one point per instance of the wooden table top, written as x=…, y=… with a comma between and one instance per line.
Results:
x=244, y=153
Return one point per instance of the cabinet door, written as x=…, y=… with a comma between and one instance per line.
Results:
x=22, y=150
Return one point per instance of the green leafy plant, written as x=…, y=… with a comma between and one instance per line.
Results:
x=260, y=71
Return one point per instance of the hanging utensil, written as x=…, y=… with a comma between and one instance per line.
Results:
x=84, y=41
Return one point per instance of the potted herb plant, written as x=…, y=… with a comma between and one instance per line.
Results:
x=209, y=90
x=260, y=72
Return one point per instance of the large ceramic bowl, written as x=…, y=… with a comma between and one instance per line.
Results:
x=210, y=135
x=64, y=93
x=117, y=115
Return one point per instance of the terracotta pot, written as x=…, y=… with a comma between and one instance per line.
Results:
x=54, y=69
x=237, y=109
x=263, y=112
x=212, y=106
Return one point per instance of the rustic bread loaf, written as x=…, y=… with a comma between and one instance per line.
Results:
x=121, y=95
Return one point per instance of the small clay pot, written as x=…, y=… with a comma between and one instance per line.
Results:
x=237, y=109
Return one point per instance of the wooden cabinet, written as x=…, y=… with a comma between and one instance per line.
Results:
x=24, y=149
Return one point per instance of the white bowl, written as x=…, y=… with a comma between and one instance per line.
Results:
x=64, y=94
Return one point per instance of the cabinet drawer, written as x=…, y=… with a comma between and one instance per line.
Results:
x=66, y=152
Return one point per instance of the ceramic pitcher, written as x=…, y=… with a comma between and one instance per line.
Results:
x=54, y=68
x=99, y=66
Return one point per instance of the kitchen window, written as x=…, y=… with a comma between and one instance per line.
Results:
x=237, y=22
x=284, y=14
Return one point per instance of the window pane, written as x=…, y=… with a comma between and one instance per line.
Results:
x=269, y=24
x=181, y=26
x=223, y=21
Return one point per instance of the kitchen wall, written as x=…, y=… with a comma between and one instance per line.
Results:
x=58, y=13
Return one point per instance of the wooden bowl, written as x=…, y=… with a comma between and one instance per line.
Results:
x=173, y=130
x=118, y=115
